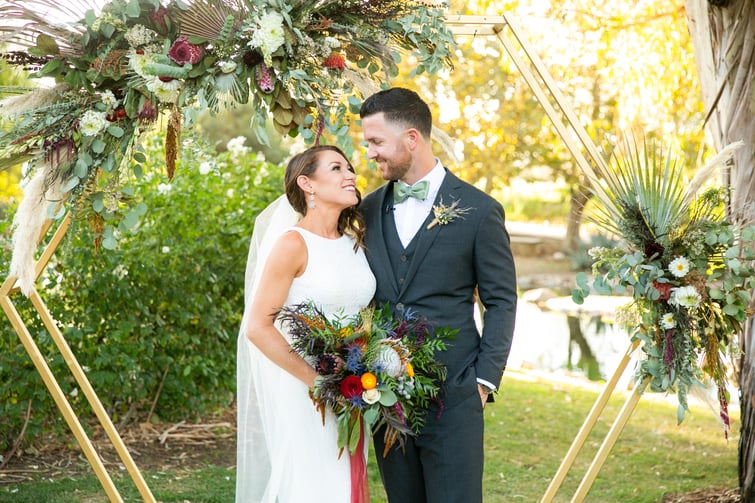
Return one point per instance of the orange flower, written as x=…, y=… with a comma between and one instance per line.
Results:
x=409, y=369
x=369, y=381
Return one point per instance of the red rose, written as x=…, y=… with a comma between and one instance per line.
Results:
x=351, y=387
x=182, y=52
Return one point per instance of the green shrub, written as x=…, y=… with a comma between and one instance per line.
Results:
x=153, y=322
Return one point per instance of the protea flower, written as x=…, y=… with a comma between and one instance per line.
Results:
x=265, y=78
x=182, y=52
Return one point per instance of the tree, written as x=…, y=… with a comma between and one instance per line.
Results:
x=9, y=179
x=722, y=32
x=590, y=48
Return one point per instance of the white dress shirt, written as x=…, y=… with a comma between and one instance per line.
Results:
x=411, y=213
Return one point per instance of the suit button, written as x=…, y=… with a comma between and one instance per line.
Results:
x=401, y=281
x=403, y=258
x=400, y=307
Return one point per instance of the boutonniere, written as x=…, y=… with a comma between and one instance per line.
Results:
x=447, y=214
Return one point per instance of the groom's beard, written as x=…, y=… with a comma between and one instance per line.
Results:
x=397, y=168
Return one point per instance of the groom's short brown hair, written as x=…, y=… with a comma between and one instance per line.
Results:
x=401, y=106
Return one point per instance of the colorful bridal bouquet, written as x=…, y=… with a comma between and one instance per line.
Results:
x=375, y=369
x=130, y=64
x=688, y=269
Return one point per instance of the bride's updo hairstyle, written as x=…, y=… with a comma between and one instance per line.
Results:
x=350, y=222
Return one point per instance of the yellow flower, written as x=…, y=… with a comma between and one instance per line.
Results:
x=409, y=369
x=345, y=332
x=369, y=381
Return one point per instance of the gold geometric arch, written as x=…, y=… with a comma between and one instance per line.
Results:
x=576, y=139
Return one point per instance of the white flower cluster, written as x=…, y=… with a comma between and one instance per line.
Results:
x=371, y=396
x=93, y=122
x=268, y=35
x=236, y=146
x=685, y=296
x=139, y=35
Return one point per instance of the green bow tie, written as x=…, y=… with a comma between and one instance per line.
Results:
x=402, y=191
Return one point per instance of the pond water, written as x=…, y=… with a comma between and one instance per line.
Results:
x=542, y=341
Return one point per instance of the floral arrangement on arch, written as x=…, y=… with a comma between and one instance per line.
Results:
x=688, y=269
x=375, y=369
x=123, y=65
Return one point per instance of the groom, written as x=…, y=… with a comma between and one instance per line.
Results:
x=434, y=269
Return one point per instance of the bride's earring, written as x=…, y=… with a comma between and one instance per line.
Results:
x=311, y=200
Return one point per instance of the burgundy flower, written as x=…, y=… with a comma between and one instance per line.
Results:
x=148, y=112
x=351, y=387
x=326, y=364
x=159, y=17
x=182, y=52
x=723, y=404
x=664, y=289
x=652, y=249
x=668, y=354
x=252, y=58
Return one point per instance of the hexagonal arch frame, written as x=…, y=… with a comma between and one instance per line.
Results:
x=577, y=141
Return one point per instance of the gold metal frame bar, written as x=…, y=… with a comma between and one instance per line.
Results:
x=9, y=287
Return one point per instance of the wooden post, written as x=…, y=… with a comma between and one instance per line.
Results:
x=8, y=287
x=616, y=428
x=587, y=426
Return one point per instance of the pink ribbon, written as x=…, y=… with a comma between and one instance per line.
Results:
x=360, y=489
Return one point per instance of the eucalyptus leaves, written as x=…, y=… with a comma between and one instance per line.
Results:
x=140, y=63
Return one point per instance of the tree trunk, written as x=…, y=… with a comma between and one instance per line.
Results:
x=724, y=41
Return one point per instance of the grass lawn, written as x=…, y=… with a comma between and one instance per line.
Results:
x=528, y=431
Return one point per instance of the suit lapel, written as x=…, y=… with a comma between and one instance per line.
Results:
x=425, y=238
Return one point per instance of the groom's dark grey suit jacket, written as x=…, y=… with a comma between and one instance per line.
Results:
x=449, y=261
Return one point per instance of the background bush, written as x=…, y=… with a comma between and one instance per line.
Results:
x=154, y=322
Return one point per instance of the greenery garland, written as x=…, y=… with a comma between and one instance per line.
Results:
x=688, y=269
x=136, y=63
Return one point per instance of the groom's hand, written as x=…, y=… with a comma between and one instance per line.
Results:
x=484, y=392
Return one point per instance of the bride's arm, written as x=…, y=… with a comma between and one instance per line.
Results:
x=287, y=260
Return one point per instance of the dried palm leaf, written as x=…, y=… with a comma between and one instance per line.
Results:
x=211, y=19
x=28, y=23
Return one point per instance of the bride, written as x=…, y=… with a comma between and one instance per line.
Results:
x=315, y=253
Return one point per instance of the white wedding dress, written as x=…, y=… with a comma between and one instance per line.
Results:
x=285, y=452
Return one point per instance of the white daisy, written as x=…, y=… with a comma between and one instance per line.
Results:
x=668, y=321
x=679, y=267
